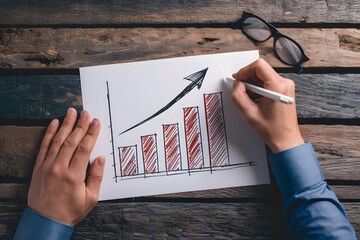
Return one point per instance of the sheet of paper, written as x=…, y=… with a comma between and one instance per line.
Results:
x=170, y=126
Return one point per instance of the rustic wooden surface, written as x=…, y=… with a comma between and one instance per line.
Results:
x=171, y=12
x=75, y=47
x=42, y=43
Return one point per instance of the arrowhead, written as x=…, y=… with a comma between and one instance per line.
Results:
x=197, y=77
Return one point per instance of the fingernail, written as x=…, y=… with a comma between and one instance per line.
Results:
x=94, y=123
x=53, y=122
x=83, y=115
x=70, y=111
x=101, y=161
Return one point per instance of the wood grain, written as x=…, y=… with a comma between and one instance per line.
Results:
x=336, y=146
x=47, y=97
x=66, y=48
x=162, y=220
x=19, y=191
x=46, y=35
x=329, y=143
x=39, y=97
x=92, y=12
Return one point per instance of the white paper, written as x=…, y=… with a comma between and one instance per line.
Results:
x=166, y=146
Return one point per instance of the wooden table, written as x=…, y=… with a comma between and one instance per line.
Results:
x=42, y=45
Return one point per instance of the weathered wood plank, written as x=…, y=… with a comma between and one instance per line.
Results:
x=163, y=220
x=35, y=97
x=73, y=48
x=337, y=147
x=170, y=12
x=327, y=95
x=47, y=97
x=259, y=193
x=174, y=220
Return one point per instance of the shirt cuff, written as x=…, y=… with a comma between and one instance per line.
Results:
x=35, y=226
x=295, y=169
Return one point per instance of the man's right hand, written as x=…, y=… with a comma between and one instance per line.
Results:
x=274, y=122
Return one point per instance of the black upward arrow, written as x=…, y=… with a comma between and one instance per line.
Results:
x=196, y=79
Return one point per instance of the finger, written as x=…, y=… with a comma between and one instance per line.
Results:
x=258, y=70
x=73, y=140
x=248, y=109
x=46, y=142
x=82, y=154
x=94, y=180
x=62, y=134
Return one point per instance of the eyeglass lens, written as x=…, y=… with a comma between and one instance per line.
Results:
x=256, y=29
x=288, y=51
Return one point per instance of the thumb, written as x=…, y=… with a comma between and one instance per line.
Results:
x=248, y=109
x=95, y=177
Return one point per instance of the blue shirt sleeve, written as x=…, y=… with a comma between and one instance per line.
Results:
x=311, y=209
x=33, y=226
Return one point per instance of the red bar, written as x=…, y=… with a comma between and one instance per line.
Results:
x=215, y=126
x=149, y=151
x=128, y=160
x=193, y=138
x=172, y=147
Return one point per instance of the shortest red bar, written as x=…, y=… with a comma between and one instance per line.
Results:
x=128, y=160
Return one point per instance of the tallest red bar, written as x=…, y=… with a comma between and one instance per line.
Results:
x=195, y=156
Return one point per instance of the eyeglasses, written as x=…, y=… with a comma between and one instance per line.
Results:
x=286, y=49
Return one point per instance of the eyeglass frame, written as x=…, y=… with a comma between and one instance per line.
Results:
x=273, y=33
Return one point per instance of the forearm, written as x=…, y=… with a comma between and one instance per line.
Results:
x=311, y=208
x=35, y=226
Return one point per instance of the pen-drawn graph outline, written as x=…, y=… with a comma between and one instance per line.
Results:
x=196, y=79
x=111, y=130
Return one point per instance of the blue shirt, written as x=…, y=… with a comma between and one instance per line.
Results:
x=311, y=209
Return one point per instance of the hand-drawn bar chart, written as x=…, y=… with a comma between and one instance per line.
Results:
x=148, y=152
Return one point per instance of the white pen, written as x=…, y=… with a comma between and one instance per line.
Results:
x=266, y=93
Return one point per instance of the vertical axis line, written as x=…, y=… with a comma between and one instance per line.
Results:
x=111, y=130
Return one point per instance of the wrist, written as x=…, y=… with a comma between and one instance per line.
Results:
x=279, y=146
x=33, y=225
x=51, y=213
